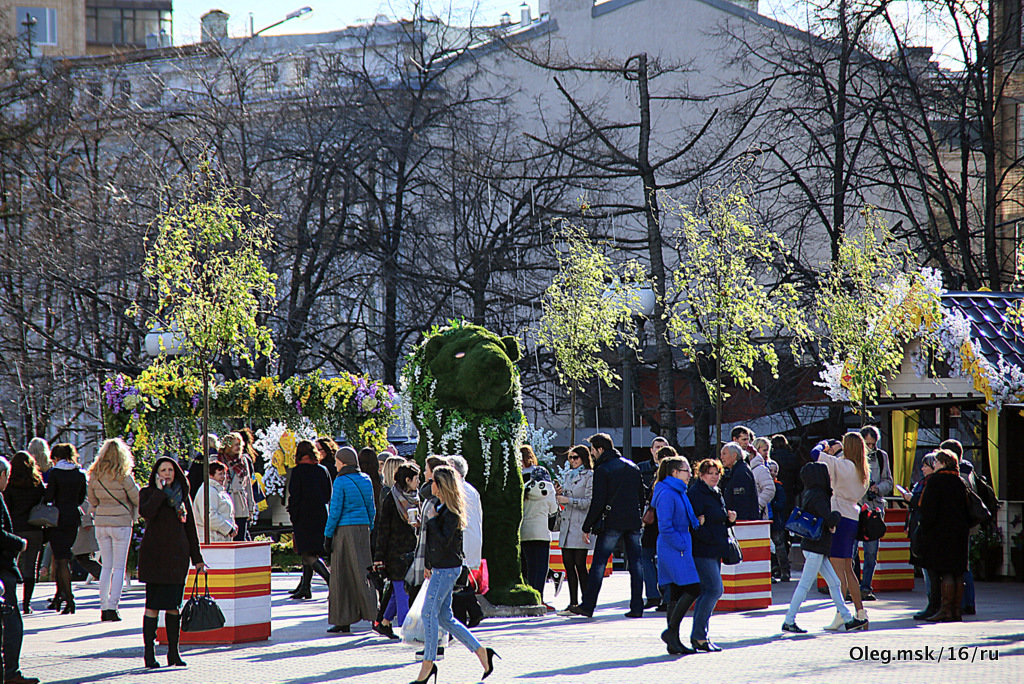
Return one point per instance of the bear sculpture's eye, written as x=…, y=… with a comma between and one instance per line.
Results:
x=459, y=355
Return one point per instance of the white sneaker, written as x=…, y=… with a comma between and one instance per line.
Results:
x=837, y=623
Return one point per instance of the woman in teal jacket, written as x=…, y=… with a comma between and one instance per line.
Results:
x=675, y=551
x=349, y=522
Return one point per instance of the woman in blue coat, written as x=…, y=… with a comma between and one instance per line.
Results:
x=675, y=551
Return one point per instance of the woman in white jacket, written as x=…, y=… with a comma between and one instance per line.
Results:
x=221, y=508
x=849, y=473
x=538, y=505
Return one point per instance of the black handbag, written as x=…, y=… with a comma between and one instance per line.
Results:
x=201, y=613
x=977, y=511
x=733, y=553
x=43, y=515
x=804, y=524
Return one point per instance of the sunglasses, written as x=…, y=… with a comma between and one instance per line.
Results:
x=575, y=457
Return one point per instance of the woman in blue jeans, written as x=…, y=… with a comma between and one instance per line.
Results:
x=816, y=499
x=709, y=542
x=443, y=566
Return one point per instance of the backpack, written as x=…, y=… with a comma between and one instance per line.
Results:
x=871, y=525
x=986, y=493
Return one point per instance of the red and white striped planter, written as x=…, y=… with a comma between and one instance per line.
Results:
x=555, y=563
x=239, y=574
x=748, y=585
x=893, y=572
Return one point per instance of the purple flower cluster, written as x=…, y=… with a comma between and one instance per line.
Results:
x=116, y=391
x=382, y=396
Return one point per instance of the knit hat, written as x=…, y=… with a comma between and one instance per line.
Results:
x=347, y=455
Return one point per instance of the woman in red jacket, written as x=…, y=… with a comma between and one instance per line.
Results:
x=168, y=544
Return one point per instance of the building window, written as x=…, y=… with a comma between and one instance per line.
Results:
x=43, y=25
x=118, y=26
x=123, y=92
x=271, y=73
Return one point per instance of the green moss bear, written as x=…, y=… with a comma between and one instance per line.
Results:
x=465, y=396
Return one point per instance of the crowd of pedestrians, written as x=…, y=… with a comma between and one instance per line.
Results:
x=364, y=511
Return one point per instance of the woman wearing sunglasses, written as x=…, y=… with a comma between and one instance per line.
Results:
x=574, y=496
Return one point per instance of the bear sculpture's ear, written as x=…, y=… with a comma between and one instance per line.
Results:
x=432, y=348
x=511, y=345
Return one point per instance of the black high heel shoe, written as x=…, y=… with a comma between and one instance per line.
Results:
x=707, y=645
x=491, y=655
x=69, y=608
x=432, y=673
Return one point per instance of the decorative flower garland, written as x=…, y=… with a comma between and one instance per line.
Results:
x=912, y=310
x=167, y=398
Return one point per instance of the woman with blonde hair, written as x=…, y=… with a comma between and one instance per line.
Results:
x=239, y=482
x=114, y=497
x=848, y=471
x=391, y=465
x=444, y=565
x=40, y=450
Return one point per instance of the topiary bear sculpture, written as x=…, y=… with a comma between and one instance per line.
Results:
x=465, y=397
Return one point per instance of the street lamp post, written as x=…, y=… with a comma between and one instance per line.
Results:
x=169, y=342
x=301, y=12
x=29, y=24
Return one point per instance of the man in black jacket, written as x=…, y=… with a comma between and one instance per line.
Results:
x=615, y=513
x=11, y=629
x=737, y=484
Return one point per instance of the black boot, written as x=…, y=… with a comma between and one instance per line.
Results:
x=26, y=600
x=321, y=569
x=173, y=623
x=149, y=640
x=674, y=616
x=304, y=590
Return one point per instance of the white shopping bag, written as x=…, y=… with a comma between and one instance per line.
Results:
x=413, y=627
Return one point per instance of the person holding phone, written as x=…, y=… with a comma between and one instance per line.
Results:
x=169, y=543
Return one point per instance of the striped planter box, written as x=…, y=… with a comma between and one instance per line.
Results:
x=893, y=572
x=555, y=558
x=748, y=585
x=239, y=574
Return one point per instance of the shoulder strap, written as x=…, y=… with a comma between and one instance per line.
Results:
x=114, y=497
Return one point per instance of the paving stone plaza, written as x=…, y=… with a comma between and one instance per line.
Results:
x=66, y=649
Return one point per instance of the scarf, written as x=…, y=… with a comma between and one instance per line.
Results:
x=239, y=467
x=414, y=576
x=405, y=500
x=175, y=495
x=349, y=469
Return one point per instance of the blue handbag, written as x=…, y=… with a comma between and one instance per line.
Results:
x=804, y=524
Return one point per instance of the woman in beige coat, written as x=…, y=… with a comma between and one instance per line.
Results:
x=221, y=508
x=114, y=497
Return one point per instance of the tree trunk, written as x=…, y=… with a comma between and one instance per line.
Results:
x=572, y=415
x=663, y=350
x=206, y=451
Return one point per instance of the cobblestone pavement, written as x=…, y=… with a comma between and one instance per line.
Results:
x=609, y=648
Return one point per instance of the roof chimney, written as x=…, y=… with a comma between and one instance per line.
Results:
x=524, y=15
x=152, y=41
x=506, y=19
x=214, y=25
x=165, y=38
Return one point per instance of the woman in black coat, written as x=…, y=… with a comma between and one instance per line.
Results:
x=168, y=544
x=309, y=493
x=944, y=532
x=709, y=544
x=913, y=527
x=25, y=490
x=66, y=490
x=396, y=543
